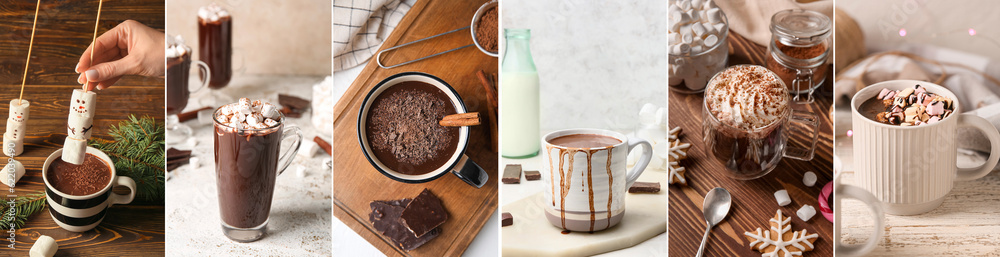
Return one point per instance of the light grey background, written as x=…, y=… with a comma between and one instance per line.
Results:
x=598, y=61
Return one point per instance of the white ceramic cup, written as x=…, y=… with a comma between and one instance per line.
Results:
x=847, y=191
x=585, y=187
x=911, y=168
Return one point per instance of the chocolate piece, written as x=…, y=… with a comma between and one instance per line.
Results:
x=423, y=214
x=532, y=175
x=506, y=219
x=297, y=104
x=644, y=187
x=174, y=153
x=511, y=174
x=385, y=218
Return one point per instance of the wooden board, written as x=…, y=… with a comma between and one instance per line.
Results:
x=357, y=183
x=64, y=30
x=753, y=201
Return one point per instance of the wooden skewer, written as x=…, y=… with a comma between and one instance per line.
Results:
x=93, y=42
x=31, y=42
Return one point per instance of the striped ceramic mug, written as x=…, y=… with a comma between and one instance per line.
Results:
x=81, y=213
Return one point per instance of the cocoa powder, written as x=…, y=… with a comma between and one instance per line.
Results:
x=487, y=31
x=787, y=74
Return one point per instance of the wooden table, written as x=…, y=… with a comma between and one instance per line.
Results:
x=753, y=201
x=64, y=30
x=357, y=183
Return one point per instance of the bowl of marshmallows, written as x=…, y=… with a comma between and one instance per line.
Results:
x=698, y=48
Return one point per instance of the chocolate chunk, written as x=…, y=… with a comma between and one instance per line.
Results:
x=512, y=174
x=297, y=104
x=506, y=219
x=532, y=175
x=424, y=213
x=174, y=153
x=644, y=187
x=385, y=218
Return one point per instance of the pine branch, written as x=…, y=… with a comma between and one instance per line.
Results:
x=138, y=150
x=24, y=207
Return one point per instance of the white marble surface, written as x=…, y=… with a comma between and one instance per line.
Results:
x=301, y=209
x=598, y=61
x=509, y=193
x=348, y=243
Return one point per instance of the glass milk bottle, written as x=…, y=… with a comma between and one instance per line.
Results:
x=519, y=98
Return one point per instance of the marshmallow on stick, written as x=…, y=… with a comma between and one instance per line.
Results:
x=17, y=120
x=79, y=125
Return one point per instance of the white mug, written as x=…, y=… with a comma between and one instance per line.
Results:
x=585, y=187
x=841, y=191
x=911, y=168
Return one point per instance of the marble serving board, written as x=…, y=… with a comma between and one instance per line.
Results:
x=532, y=235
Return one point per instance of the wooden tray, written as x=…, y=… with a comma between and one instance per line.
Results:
x=64, y=30
x=357, y=183
x=753, y=201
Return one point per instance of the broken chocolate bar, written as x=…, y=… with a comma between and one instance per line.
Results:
x=506, y=219
x=424, y=213
x=385, y=218
x=644, y=187
x=532, y=175
x=512, y=174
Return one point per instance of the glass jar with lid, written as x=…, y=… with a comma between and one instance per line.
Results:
x=799, y=49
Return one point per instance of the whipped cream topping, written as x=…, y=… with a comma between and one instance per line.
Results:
x=176, y=47
x=747, y=97
x=212, y=12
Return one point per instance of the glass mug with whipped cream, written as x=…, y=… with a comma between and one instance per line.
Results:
x=747, y=121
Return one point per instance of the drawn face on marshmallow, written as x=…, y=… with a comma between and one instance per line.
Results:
x=82, y=103
x=19, y=112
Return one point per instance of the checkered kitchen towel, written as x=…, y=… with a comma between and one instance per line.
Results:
x=360, y=26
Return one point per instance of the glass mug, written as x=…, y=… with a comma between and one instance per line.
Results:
x=178, y=93
x=753, y=153
x=247, y=161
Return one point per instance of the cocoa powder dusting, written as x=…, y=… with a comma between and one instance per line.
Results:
x=487, y=30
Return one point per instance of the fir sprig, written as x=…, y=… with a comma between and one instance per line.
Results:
x=138, y=150
x=24, y=206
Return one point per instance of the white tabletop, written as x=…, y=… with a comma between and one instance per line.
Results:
x=299, y=224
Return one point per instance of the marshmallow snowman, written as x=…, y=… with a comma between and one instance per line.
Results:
x=16, y=127
x=79, y=125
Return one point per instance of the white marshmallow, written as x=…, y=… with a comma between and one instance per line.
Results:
x=684, y=4
x=710, y=40
x=270, y=122
x=16, y=130
x=19, y=111
x=809, y=179
x=782, y=197
x=300, y=171
x=82, y=103
x=686, y=36
x=74, y=150
x=661, y=116
x=695, y=15
x=675, y=15
x=307, y=149
x=194, y=163
x=254, y=119
x=270, y=111
x=709, y=29
x=647, y=114
x=697, y=4
x=806, y=212
x=697, y=49
x=45, y=246
x=12, y=147
x=238, y=117
x=698, y=29
x=720, y=27
x=714, y=15
x=673, y=38
x=12, y=173
x=79, y=126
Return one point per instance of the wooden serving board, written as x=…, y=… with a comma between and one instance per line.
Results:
x=753, y=201
x=64, y=30
x=357, y=183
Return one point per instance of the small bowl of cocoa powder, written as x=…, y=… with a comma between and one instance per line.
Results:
x=485, y=28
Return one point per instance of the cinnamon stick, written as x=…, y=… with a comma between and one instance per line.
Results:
x=186, y=116
x=491, y=91
x=323, y=144
x=460, y=120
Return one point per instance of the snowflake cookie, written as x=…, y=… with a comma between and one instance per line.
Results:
x=780, y=240
x=678, y=152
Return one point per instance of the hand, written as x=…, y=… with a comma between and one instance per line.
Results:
x=130, y=48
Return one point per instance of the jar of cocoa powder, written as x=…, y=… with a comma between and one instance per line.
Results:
x=800, y=46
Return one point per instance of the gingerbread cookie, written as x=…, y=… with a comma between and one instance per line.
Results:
x=780, y=240
x=678, y=152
